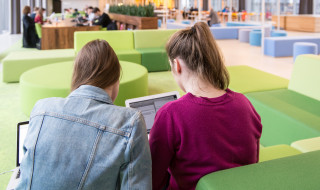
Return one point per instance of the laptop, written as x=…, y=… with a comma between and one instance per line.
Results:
x=22, y=129
x=149, y=105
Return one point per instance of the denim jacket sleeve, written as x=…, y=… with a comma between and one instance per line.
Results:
x=136, y=174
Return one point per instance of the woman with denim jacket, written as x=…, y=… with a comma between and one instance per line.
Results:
x=84, y=141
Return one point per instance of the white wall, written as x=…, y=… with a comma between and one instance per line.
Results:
x=78, y=4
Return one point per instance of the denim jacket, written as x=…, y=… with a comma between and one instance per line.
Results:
x=85, y=142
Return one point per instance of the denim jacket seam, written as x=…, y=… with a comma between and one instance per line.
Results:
x=134, y=119
x=91, y=158
x=102, y=99
x=33, y=155
x=85, y=122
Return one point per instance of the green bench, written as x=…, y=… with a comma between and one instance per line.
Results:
x=243, y=79
x=307, y=145
x=18, y=62
x=290, y=173
x=151, y=45
x=291, y=114
x=122, y=43
x=15, y=47
x=54, y=80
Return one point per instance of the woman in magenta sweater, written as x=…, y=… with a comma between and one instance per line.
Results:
x=210, y=128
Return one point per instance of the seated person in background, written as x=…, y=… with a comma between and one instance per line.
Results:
x=84, y=141
x=33, y=15
x=30, y=37
x=225, y=9
x=39, y=17
x=103, y=19
x=89, y=14
x=214, y=19
x=75, y=13
x=210, y=128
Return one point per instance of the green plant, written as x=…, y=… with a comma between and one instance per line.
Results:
x=133, y=10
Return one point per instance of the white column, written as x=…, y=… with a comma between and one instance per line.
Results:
x=230, y=11
x=278, y=10
x=199, y=10
x=262, y=24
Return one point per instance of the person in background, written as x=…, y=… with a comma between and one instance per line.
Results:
x=29, y=38
x=84, y=141
x=89, y=14
x=103, y=19
x=214, y=18
x=211, y=128
x=75, y=13
x=39, y=17
x=225, y=9
x=34, y=13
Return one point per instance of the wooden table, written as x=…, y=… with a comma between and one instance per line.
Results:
x=61, y=35
x=303, y=23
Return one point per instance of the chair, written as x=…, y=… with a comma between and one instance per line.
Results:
x=38, y=30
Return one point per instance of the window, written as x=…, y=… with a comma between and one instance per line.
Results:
x=4, y=16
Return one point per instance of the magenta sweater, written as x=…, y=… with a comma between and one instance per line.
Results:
x=193, y=136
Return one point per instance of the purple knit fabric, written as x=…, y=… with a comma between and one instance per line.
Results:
x=194, y=136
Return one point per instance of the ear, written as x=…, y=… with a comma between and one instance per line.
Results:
x=177, y=66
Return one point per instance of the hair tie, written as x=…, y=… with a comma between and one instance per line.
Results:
x=193, y=30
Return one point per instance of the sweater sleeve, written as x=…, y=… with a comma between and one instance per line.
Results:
x=162, y=150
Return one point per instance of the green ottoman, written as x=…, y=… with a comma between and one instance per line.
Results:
x=18, y=62
x=277, y=151
x=54, y=80
x=246, y=79
x=15, y=47
x=307, y=145
x=290, y=173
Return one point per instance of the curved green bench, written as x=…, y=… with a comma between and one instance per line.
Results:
x=54, y=80
x=290, y=173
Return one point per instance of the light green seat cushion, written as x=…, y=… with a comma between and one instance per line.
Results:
x=286, y=116
x=129, y=55
x=307, y=145
x=16, y=63
x=154, y=59
x=54, y=80
x=118, y=40
x=161, y=82
x=239, y=82
x=246, y=79
x=277, y=151
x=144, y=39
x=15, y=47
x=305, y=76
x=290, y=173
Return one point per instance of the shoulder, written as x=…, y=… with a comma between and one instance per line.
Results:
x=45, y=105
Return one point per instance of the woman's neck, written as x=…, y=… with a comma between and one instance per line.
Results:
x=201, y=88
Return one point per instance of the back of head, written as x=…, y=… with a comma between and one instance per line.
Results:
x=95, y=10
x=96, y=64
x=200, y=52
x=26, y=10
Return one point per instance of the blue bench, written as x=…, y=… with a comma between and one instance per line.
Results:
x=177, y=26
x=283, y=46
x=241, y=24
x=224, y=32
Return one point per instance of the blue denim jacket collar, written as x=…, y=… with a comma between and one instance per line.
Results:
x=91, y=92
